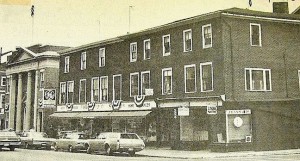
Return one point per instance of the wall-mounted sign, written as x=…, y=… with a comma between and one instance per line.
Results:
x=212, y=110
x=149, y=92
x=49, y=97
x=183, y=111
x=236, y=112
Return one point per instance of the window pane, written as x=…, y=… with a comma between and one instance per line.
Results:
x=255, y=34
x=257, y=80
x=104, y=89
x=134, y=85
x=117, y=87
x=190, y=79
x=206, y=77
x=95, y=90
x=167, y=81
x=145, y=82
x=166, y=40
x=82, y=91
x=247, y=79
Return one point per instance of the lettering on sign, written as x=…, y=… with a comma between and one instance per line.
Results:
x=236, y=112
x=212, y=110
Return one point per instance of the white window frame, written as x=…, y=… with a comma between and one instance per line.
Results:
x=60, y=92
x=259, y=26
x=101, y=55
x=2, y=81
x=117, y=75
x=184, y=40
x=67, y=91
x=203, y=36
x=8, y=83
x=67, y=64
x=106, y=77
x=185, y=79
x=162, y=81
x=130, y=48
x=83, y=61
x=264, y=79
x=142, y=74
x=80, y=84
x=163, y=45
x=92, y=88
x=145, y=41
x=212, y=76
x=138, y=83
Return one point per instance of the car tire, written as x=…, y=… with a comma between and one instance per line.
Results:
x=108, y=150
x=88, y=150
x=55, y=147
x=131, y=153
x=26, y=146
x=12, y=148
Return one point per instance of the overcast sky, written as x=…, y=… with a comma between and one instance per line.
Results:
x=76, y=22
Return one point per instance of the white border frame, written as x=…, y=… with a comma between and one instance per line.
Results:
x=212, y=76
x=185, y=67
x=184, y=44
x=130, y=52
x=117, y=75
x=259, y=27
x=163, y=45
x=138, y=82
x=264, y=79
x=102, y=65
x=162, y=81
x=203, y=38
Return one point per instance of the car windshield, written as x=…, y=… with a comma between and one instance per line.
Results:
x=6, y=133
x=129, y=136
x=75, y=136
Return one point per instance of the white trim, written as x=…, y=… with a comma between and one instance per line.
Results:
x=184, y=44
x=147, y=40
x=117, y=75
x=67, y=61
x=264, y=79
x=80, y=83
x=103, y=51
x=82, y=63
x=163, y=45
x=130, y=52
x=203, y=38
x=162, y=81
x=212, y=76
x=259, y=28
x=138, y=83
x=299, y=78
x=92, y=87
x=3, y=77
x=106, y=77
x=142, y=73
x=185, y=67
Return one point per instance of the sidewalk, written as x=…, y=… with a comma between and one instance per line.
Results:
x=167, y=153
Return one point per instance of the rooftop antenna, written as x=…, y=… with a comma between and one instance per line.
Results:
x=99, y=29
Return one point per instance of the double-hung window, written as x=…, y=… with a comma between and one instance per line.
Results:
x=42, y=79
x=70, y=91
x=187, y=40
x=145, y=81
x=95, y=89
x=82, y=91
x=134, y=84
x=257, y=79
x=83, y=61
x=8, y=82
x=167, y=81
x=62, y=95
x=117, y=87
x=166, y=42
x=101, y=57
x=147, y=50
x=133, y=52
x=190, y=78
x=255, y=34
x=67, y=64
x=104, y=88
x=206, y=77
x=207, y=36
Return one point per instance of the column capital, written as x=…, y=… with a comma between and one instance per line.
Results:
x=20, y=75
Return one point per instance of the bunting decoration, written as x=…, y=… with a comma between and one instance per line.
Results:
x=69, y=106
x=32, y=10
x=116, y=104
x=139, y=100
x=91, y=105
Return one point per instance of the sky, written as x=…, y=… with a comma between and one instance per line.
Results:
x=77, y=22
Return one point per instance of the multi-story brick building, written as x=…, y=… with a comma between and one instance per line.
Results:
x=224, y=80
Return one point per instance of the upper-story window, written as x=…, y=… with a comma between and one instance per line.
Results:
x=95, y=89
x=117, y=87
x=8, y=79
x=166, y=42
x=70, y=91
x=67, y=64
x=206, y=77
x=134, y=84
x=257, y=79
x=62, y=95
x=133, y=52
x=187, y=40
x=167, y=81
x=82, y=91
x=147, y=50
x=145, y=81
x=42, y=79
x=207, y=36
x=190, y=78
x=83, y=61
x=3, y=80
x=104, y=88
x=101, y=57
x=255, y=34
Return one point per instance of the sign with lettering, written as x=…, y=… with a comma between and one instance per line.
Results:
x=212, y=110
x=236, y=112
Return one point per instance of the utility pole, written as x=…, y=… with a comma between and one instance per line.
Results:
x=99, y=29
x=129, y=16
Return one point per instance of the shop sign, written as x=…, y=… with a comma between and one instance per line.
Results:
x=212, y=110
x=183, y=111
x=49, y=96
x=236, y=112
x=149, y=92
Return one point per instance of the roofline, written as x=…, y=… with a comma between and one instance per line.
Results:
x=296, y=10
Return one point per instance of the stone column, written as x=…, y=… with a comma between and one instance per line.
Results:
x=19, y=104
x=28, y=102
x=12, y=101
x=35, y=102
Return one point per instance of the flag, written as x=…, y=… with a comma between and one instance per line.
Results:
x=32, y=10
x=250, y=3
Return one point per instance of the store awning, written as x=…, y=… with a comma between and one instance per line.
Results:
x=65, y=115
x=129, y=114
x=93, y=114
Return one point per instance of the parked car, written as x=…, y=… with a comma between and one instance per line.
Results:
x=9, y=139
x=73, y=141
x=37, y=140
x=110, y=142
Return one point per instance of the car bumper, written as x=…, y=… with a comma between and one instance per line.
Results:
x=8, y=144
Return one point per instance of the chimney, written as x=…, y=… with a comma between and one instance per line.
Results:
x=281, y=7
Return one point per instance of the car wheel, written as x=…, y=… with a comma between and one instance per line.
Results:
x=55, y=148
x=108, y=150
x=131, y=153
x=88, y=150
x=12, y=148
x=71, y=148
x=26, y=146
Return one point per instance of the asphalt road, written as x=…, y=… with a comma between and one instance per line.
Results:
x=44, y=155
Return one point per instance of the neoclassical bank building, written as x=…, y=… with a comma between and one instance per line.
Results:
x=32, y=79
